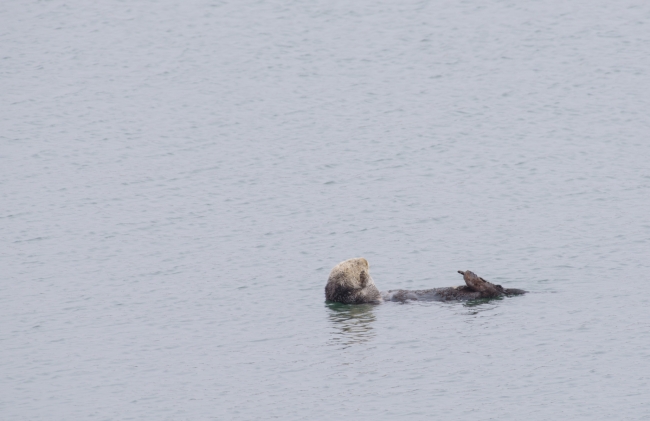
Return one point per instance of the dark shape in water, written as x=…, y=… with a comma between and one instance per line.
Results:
x=350, y=283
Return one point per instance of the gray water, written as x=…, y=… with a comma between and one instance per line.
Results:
x=177, y=179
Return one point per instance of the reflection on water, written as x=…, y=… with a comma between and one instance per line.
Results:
x=481, y=305
x=482, y=302
x=352, y=323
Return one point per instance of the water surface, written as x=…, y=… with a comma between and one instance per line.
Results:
x=178, y=178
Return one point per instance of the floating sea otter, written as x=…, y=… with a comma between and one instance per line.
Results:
x=350, y=283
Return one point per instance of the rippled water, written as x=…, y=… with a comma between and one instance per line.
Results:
x=177, y=180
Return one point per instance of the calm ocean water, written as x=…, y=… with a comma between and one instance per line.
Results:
x=178, y=178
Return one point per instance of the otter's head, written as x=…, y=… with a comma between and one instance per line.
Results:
x=350, y=283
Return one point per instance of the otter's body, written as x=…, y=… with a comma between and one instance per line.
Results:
x=350, y=283
x=435, y=294
x=459, y=293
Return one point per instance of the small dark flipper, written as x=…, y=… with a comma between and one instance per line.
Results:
x=487, y=289
x=478, y=284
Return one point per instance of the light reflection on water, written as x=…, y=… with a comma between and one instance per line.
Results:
x=352, y=323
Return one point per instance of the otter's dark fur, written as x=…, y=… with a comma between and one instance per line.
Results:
x=350, y=283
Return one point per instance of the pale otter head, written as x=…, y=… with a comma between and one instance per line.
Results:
x=350, y=283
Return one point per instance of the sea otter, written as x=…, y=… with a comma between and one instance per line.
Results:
x=350, y=283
